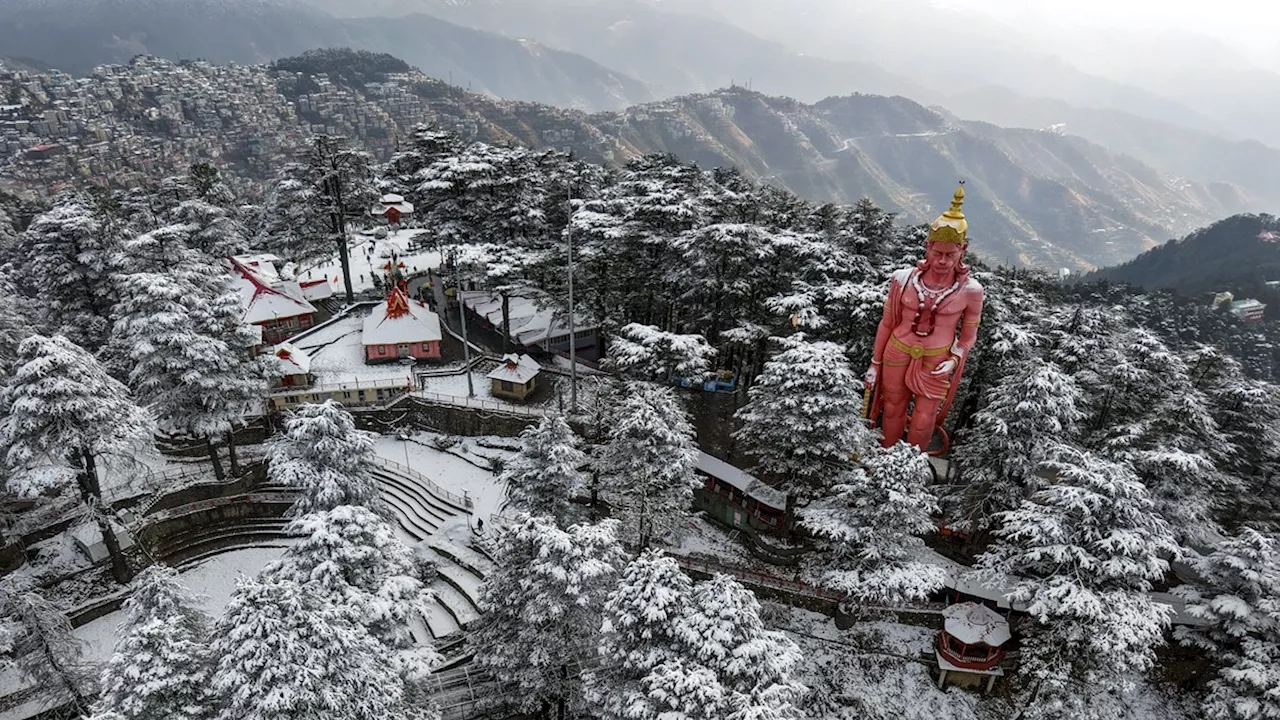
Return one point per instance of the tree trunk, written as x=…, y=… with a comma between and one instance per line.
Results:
x=560, y=699
x=339, y=222
x=213, y=457
x=81, y=702
x=91, y=494
x=231, y=450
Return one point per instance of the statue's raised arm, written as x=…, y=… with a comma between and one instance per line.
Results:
x=929, y=326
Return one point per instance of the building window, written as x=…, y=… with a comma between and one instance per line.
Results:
x=382, y=349
x=346, y=394
x=506, y=386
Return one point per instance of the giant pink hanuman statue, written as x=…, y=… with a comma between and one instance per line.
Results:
x=930, y=324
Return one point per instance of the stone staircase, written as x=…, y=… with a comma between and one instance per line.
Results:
x=439, y=529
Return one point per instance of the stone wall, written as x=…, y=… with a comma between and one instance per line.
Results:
x=413, y=412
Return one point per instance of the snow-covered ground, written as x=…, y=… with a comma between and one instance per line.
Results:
x=448, y=470
x=338, y=357
x=213, y=580
x=365, y=266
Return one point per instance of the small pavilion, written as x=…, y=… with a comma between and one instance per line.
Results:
x=401, y=329
x=516, y=378
x=968, y=648
x=393, y=208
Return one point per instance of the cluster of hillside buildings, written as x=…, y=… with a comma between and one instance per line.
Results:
x=397, y=330
x=154, y=117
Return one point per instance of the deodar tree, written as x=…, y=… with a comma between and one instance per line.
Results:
x=1084, y=551
x=803, y=421
x=65, y=412
x=159, y=668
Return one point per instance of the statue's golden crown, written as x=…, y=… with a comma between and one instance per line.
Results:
x=951, y=227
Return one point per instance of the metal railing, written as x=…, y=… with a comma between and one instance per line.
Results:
x=464, y=501
x=152, y=483
x=200, y=505
x=478, y=404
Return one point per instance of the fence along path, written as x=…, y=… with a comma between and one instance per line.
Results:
x=462, y=502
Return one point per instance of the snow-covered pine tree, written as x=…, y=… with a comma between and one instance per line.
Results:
x=755, y=666
x=159, y=668
x=350, y=557
x=36, y=638
x=648, y=463
x=1247, y=412
x=67, y=257
x=291, y=227
x=1085, y=550
x=187, y=355
x=17, y=318
x=282, y=656
x=1239, y=602
x=804, y=418
x=646, y=671
x=727, y=269
x=64, y=410
x=322, y=453
x=542, y=607
x=1157, y=419
x=645, y=352
x=214, y=230
x=1026, y=411
x=343, y=180
x=426, y=146
x=870, y=528
x=546, y=474
x=312, y=199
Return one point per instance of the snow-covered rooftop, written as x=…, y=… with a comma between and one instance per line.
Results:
x=262, y=263
x=266, y=299
x=530, y=322
x=292, y=360
x=742, y=480
x=400, y=320
x=392, y=200
x=972, y=623
x=518, y=369
x=316, y=289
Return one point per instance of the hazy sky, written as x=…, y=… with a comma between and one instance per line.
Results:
x=1253, y=24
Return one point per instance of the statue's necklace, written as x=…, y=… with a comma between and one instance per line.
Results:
x=936, y=296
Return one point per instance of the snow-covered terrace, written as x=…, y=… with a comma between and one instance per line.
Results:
x=365, y=266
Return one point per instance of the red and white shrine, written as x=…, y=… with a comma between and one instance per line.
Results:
x=393, y=208
x=968, y=648
x=293, y=366
x=400, y=328
x=279, y=307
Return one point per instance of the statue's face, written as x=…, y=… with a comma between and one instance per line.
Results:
x=944, y=257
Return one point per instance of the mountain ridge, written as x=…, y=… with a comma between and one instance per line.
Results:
x=1240, y=253
x=1035, y=198
x=77, y=35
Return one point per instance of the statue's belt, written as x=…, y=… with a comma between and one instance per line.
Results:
x=915, y=351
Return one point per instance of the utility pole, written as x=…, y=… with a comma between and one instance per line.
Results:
x=573, y=341
x=462, y=317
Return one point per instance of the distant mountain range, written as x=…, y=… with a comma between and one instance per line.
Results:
x=1240, y=254
x=1035, y=198
x=77, y=35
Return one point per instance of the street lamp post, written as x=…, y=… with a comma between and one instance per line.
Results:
x=462, y=317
